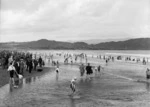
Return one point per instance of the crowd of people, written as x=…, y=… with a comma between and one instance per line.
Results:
x=88, y=70
x=18, y=62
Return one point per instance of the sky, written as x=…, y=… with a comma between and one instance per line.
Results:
x=73, y=20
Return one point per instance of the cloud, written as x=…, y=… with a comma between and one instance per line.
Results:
x=74, y=19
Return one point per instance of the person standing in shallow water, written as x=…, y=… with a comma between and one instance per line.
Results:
x=17, y=66
x=57, y=69
x=30, y=65
x=89, y=70
x=99, y=68
x=22, y=66
x=40, y=61
x=27, y=64
x=82, y=70
x=35, y=63
x=148, y=73
x=72, y=85
x=11, y=70
x=106, y=61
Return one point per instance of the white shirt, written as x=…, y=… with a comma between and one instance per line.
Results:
x=96, y=69
x=11, y=67
x=57, y=69
x=73, y=81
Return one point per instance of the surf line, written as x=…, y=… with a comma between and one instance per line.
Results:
x=130, y=79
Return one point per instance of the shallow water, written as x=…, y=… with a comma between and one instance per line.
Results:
x=51, y=90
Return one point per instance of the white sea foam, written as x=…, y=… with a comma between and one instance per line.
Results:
x=127, y=54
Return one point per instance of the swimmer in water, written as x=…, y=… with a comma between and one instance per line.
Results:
x=72, y=85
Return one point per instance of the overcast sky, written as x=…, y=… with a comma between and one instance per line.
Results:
x=26, y=20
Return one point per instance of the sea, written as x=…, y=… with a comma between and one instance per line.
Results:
x=138, y=53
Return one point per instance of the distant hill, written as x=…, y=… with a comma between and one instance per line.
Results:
x=96, y=41
x=131, y=44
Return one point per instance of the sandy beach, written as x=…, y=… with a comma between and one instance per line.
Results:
x=74, y=53
x=4, y=75
x=120, y=83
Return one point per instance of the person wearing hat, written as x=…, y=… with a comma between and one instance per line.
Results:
x=72, y=85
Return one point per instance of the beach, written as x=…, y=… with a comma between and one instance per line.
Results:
x=120, y=83
x=4, y=75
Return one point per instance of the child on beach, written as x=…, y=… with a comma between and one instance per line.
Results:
x=57, y=69
x=11, y=70
x=96, y=70
x=72, y=85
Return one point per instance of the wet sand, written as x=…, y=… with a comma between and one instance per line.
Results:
x=120, y=84
x=4, y=75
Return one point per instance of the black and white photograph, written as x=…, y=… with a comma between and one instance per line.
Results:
x=74, y=53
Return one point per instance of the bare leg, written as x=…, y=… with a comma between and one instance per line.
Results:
x=74, y=90
x=11, y=81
